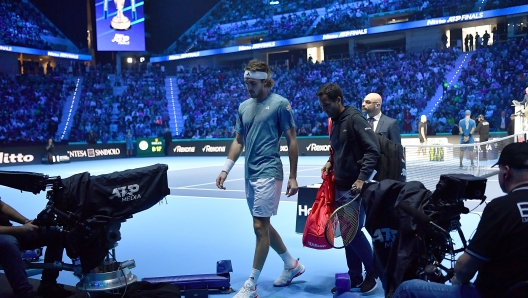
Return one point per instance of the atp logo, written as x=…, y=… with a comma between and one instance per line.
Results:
x=126, y=193
x=385, y=236
x=121, y=39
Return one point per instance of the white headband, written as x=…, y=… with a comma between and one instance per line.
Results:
x=257, y=75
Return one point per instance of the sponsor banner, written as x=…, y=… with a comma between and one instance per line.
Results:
x=350, y=33
x=57, y=54
x=10, y=156
x=200, y=148
x=305, y=200
x=55, y=159
x=83, y=152
x=317, y=146
x=16, y=156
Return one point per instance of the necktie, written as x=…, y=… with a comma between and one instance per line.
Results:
x=371, y=121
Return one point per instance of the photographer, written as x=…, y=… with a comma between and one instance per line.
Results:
x=499, y=250
x=13, y=239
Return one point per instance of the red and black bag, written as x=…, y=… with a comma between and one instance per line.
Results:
x=314, y=230
x=323, y=207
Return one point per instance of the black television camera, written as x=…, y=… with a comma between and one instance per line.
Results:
x=442, y=213
x=91, y=209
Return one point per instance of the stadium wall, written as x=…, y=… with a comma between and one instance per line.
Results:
x=308, y=146
x=9, y=63
x=420, y=39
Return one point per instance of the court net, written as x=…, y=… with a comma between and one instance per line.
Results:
x=426, y=163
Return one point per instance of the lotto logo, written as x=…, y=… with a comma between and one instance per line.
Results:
x=15, y=158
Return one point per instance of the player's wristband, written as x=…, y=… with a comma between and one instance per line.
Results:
x=228, y=165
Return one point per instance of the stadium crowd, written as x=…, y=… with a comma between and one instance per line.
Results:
x=259, y=21
x=406, y=82
x=141, y=108
x=23, y=25
x=32, y=106
x=494, y=77
x=209, y=97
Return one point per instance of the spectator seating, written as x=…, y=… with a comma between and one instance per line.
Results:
x=210, y=97
x=23, y=25
x=232, y=22
x=494, y=77
x=140, y=108
x=32, y=106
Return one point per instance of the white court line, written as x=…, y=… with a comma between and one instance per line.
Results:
x=209, y=183
x=220, y=165
x=197, y=168
x=208, y=189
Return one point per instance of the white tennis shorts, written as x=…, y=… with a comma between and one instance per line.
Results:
x=263, y=196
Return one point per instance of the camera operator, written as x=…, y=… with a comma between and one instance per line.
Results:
x=499, y=250
x=13, y=239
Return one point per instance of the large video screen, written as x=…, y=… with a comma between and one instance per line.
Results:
x=120, y=25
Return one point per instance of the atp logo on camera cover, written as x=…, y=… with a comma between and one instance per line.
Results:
x=126, y=193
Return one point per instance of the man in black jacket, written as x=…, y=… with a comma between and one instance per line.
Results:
x=356, y=152
x=167, y=136
x=91, y=138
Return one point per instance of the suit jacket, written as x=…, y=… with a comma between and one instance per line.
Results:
x=506, y=122
x=525, y=100
x=389, y=128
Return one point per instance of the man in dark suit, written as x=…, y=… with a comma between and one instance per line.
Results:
x=380, y=123
x=167, y=136
x=503, y=122
x=525, y=99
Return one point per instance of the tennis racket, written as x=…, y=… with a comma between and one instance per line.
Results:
x=341, y=227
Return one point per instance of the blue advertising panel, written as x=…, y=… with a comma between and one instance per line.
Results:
x=64, y=55
x=350, y=33
x=120, y=25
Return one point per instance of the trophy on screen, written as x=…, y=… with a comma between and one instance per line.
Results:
x=120, y=21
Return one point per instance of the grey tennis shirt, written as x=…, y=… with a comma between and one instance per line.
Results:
x=262, y=124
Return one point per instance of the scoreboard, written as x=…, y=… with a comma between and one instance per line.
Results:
x=147, y=147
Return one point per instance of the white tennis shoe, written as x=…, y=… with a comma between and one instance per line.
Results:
x=248, y=290
x=288, y=274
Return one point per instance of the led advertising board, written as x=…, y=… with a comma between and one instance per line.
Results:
x=120, y=25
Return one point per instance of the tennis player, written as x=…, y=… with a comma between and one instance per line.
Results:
x=261, y=121
x=349, y=148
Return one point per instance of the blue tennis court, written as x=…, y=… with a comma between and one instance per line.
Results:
x=198, y=225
